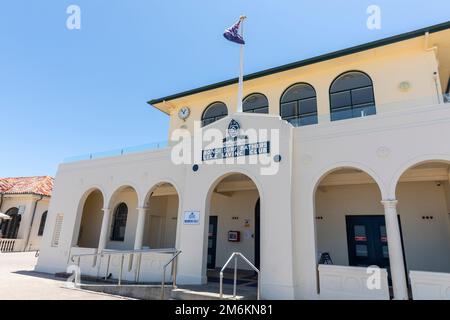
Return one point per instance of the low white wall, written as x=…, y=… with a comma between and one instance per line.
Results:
x=348, y=283
x=151, y=269
x=430, y=285
x=11, y=245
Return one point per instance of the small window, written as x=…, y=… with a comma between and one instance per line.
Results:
x=214, y=112
x=298, y=105
x=256, y=103
x=351, y=96
x=119, y=223
x=42, y=224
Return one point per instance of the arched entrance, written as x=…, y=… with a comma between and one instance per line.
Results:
x=349, y=219
x=10, y=228
x=162, y=206
x=423, y=195
x=91, y=220
x=124, y=204
x=233, y=213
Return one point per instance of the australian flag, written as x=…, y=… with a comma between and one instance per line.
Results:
x=233, y=35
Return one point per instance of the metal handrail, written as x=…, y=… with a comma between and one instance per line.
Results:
x=174, y=259
x=140, y=252
x=235, y=256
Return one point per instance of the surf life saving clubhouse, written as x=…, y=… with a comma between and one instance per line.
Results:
x=337, y=163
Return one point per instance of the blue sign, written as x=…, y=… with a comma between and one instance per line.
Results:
x=191, y=217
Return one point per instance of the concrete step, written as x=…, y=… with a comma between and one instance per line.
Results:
x=187, y=294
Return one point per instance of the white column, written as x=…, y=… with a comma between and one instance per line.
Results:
x=139, y=237
x=395, y=250
x=105, y=229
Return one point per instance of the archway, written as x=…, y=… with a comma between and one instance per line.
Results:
x=91, y=220
x=10, y=228
x=423, y=195
x=161, y=219
x=124, y=204
x=349, y=220
x=232, y=207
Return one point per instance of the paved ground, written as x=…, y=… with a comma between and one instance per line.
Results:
x=19, y=281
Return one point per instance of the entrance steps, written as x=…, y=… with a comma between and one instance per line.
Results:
x=245, y=289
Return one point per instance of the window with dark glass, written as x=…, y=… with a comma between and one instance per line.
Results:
x=256, y=103
x=298, y=105
x=351, y=96
x=10, y=228
x=42, y=224
x=214, y=112
x=119, y=223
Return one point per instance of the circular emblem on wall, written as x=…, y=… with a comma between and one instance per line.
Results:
x=233, y=128
x=383, y=152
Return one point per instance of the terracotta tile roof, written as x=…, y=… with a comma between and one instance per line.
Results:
x=42, y=185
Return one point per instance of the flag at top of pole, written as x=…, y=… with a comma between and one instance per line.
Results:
x=232, y=34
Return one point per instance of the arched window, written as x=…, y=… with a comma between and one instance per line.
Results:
x=42, y=224
x=298, y=105
x=10, y=227
x=119, y=223
x=214, y=112
x=351, y=96
x=256, y=103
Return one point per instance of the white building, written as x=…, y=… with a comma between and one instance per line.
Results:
x=25, y=200
x=355, y=164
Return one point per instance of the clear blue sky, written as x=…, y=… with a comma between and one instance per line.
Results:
x=68, y=92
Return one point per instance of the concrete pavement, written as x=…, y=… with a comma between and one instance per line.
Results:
x=18, y=281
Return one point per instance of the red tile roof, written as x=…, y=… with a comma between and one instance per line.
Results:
x=42, y=185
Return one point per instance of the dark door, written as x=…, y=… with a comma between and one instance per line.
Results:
x=257, y=234
x=367, y=241
x=212, y=242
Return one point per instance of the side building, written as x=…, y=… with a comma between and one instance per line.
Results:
x=25, y=202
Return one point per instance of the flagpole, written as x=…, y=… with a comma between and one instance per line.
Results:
x=241, y=69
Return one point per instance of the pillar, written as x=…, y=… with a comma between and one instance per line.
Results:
x=105, y=229
x=396, y=258
x=139, y=236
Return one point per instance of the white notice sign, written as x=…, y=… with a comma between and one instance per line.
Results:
x=191, y=217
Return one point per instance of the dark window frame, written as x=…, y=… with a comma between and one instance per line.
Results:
x=42, y=224
x=10, y=228
x=351, y=107
x=120, y=220
x=215, y=118
x=258, y=108
x=298, y=114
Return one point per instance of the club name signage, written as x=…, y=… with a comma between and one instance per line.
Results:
x=233, y=150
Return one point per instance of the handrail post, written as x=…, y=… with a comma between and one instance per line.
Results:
x=163, y=283
x=138, y=267
x=107, y=267
x=121, y=269
x=174, y=276
x=235, y=276
x=258, y=286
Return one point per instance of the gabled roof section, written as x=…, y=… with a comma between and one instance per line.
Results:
x=41, y=185
x=301, y=63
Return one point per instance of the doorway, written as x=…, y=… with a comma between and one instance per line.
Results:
x=212, y=242
x=367, y=241
x=257, y=235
